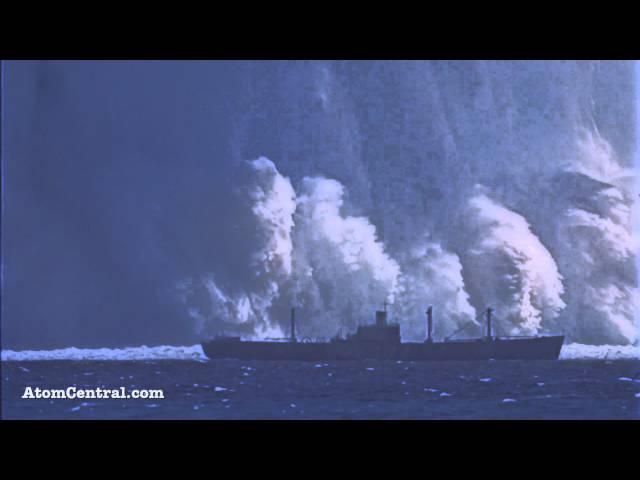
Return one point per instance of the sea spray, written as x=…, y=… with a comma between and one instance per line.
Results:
x=409, y=141
x=342, y=269
x=595, y=245
x=433, y=276
x=510, y=269
x=247, y=309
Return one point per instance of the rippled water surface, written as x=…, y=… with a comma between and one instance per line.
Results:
x=231, y=389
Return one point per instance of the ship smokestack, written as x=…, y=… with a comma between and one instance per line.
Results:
x=429, y=323
x=489, y=311
x=293, y=325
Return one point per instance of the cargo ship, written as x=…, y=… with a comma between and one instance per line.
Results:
x=381, y=341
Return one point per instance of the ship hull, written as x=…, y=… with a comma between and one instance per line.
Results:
x=534, y=348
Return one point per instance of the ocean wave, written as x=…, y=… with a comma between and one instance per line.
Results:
x=573, y=351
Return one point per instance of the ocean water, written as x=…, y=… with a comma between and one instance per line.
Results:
x=194, y=388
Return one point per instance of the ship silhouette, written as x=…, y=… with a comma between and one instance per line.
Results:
x=381, y=341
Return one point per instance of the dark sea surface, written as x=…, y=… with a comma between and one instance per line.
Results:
x=232, y=389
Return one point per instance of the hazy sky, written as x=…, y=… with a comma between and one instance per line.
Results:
x=102, y=164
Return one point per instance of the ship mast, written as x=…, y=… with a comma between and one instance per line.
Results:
x=489, y=311
x=293, y=325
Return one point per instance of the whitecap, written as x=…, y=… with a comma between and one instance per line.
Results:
x=161, y=352
x=577, y=351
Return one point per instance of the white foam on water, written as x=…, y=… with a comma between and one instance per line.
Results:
x=576, y=351
x=162, y=352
